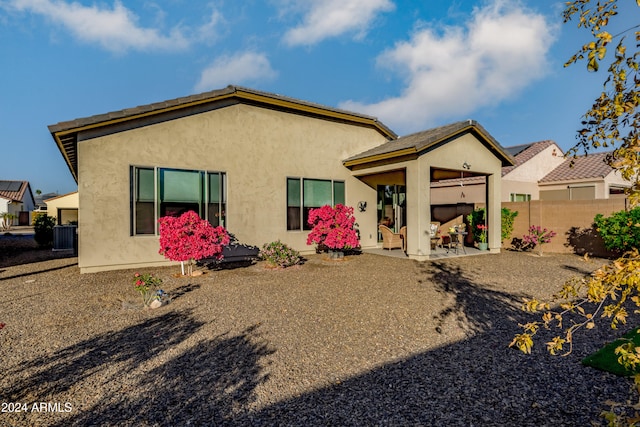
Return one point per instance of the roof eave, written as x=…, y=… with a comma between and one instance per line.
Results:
x=62, y=129
x=379, y=157
x=473, y=126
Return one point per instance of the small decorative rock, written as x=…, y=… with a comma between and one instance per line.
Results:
x=155, y=303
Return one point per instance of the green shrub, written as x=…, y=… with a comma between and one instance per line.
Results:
x=506, y=222
x=278, y=254
x=620, y=231
x=508, y=217
x=476, y=218
x=43, y=228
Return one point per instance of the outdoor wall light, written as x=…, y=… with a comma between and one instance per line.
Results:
x=466, y=165
x=362, y=206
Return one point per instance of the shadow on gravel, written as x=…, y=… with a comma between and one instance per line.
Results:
x=478, y=381
x=11, y=256
x=184, y=289
x=475, y=308
x=211, y=381
x=31, y=273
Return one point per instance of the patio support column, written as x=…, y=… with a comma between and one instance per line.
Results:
x=418, y=210
x=494, y=215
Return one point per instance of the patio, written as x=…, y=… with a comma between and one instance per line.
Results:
x=439, y=253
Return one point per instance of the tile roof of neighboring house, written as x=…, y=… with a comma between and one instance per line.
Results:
x=585, y=167
x=524, y=153
x=65, y=133
x=15, y=190
x=58, y=196
x=421, y=141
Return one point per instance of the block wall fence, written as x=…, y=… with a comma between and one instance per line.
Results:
x=572, y=220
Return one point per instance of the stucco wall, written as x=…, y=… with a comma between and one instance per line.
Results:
x=538, y=166
x=519, y=187
x=572, y=220
x=257, y=148
x=474, y=193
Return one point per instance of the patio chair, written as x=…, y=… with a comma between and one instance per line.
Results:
x=435, y=237
x=390, y=240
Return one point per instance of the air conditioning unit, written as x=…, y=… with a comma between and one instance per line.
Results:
x=64, y=237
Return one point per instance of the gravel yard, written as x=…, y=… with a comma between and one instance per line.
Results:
x=371, y=340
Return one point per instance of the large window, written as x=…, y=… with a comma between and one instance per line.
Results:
x=519, y=197
x=306, y=194
x=158, y=192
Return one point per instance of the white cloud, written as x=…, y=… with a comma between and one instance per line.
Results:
x=330, y=18
x=116, y=29
x=451, y=74
x=248, y=67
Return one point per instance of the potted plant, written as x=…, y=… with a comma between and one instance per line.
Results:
x=482, y=236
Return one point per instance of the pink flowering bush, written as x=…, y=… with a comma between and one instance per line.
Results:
x=190, y=238
x=333, y=227
x=538, y=236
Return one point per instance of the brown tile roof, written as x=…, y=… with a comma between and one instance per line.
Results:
x=14, y=190
x=65, y=133
x=585, y=167
x=524, y=153
x=424, y=140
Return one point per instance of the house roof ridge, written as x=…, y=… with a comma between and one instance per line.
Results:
x=65, y=133
x=212, y=96
x=418, y=142
x=528, y=152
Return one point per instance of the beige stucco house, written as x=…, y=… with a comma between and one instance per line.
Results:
x=256, y=163
x=583, y=178
x=16, y=199
x=64, y=208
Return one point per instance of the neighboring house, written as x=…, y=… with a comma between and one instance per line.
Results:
x=17, y=199
x=533, y=162
x=256, y=163
x=64, y=208
x=40, y=200
x=588, y=178
x=540, y=172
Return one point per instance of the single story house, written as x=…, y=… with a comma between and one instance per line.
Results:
x=256, y=163
x=41, y=206
x=64, y=208
x=583, y=178
x=17, y=199
x=540, y=172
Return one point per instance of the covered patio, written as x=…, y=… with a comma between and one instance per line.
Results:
x=438, y=253
x=402, y=172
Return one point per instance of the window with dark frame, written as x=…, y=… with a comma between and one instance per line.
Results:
x=158, y=192
x=304, y=194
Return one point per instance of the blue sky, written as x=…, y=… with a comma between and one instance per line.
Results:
x=412, y=64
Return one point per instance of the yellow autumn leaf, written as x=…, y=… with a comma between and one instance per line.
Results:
x=605, y=37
